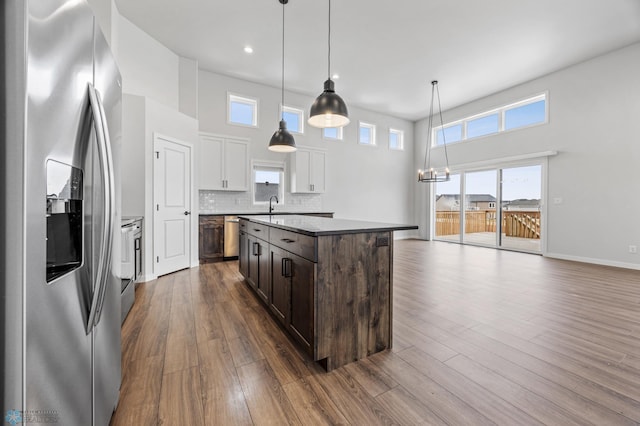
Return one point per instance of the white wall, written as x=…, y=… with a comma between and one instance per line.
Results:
x=103, y=11
x=147, y=67
x=142, y=118
x=188, y=87
x=593, y=108
x=367, y=183
x=133, y=154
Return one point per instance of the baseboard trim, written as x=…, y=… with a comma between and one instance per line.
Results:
x=147, y=278
x=603, y=262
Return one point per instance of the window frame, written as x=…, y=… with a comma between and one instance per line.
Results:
x=372, y=128
x=400, y=135
x=340, y=134
x=266, y=165
x=293, y=110
x=242, y=99
x=501, y=119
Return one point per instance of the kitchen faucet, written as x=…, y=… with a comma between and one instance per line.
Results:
x=271, y=206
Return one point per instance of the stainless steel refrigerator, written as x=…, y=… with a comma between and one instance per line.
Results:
x=60, y=120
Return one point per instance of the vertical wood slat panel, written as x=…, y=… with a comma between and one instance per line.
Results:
x=353, y=296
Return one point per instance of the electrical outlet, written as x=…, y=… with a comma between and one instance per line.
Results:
x=633, y=249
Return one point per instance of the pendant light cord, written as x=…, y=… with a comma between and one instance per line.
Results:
x=282, y=107
x=329, y=43
x=427, y=155
x=444, y=138
x=427, y=151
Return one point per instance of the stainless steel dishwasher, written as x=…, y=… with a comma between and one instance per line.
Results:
x=231, y=236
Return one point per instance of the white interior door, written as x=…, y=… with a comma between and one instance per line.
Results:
x=172, y=198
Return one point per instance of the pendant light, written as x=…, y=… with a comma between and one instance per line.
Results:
x=282, y=140
x=428, y=174
x=328, y=110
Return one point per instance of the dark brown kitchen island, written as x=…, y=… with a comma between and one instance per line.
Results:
x=329, y=282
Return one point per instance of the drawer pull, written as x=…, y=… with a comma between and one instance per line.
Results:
x=257, y=249
x=288, y=240
x=256, y=229
x=286, y=267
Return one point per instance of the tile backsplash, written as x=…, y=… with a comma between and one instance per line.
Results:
x=241, y=202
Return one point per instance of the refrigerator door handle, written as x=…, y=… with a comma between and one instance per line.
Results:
x=111, y=212
x=106, y=183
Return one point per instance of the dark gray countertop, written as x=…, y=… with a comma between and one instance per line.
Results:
x=318, y=226
x=265, y=213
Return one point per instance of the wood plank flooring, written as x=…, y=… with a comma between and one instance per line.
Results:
x=481, y=337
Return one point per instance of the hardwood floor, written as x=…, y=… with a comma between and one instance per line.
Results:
x=480, y=337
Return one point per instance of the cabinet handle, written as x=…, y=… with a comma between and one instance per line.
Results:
x=256, y=249
x=286, y=267
x=287, y=240
x=257, y=230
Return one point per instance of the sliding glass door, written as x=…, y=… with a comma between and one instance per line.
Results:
x=447, y=209
x=521, y=195
x=500, y=207
x=480, y=198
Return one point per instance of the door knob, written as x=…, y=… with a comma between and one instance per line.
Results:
x=187, y=213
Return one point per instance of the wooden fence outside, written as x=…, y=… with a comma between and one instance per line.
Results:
x=522, y=224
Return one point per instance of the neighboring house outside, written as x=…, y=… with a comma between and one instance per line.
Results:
x=451, y=202
x=521, y=205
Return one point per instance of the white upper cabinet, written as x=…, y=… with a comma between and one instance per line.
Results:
x=223, y=163
x=308, y=167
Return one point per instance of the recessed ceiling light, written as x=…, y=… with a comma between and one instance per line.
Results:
x=335, y=76
x=248, y=49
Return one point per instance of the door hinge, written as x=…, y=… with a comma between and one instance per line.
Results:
x=157, y=154
x=157, y=207
x=157, y=259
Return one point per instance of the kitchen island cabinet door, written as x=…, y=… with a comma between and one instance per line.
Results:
x=253, y=265
x=302, y=280
x=243, y=254
x=263, y=283
x=258, y=266
x=280, y=292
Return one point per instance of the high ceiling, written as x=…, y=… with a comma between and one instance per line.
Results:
x=387, y=52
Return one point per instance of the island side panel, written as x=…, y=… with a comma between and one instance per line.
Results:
x=379, y=279
x=323, y=296
x=353, y=296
